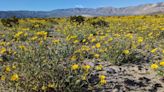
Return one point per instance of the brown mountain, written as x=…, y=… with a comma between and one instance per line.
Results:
x=157, y=8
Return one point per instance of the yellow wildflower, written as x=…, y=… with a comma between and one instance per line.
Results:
x=162, y=29
x=13, y=67
x=36, y=25
x=154, y=66
x=85, y=48
x=102, y=37
x=116, y=35
x=7, y=69
x=163, y=51
x=44, y=87
x=2, y=50
x=40, y=42
x=93, y=47
x=99, y=67
x=102, y=82
x=140, y=39
x=14, y=77
x=73, y=37
x=2, y=43
x=84, y=40
x=90, y=35
x=41, y=33
x=34, y=38
x=56, y=41
x=25, y=34
x=3, y=78
x=102, y=77
x=51, y=85
x=25, y=29
x=161, y=63
x=75, y=67
x=110, y=39
x=83, y=78
x=86, y=67
x=96, y=55
x=76, y=41
x=73, y=58
x=93, y=39
x=126, y=52
x=34, y=88
x=22, y=47
x=154, y=50
x=98, y=45
x=17, y=35
x=130, y=36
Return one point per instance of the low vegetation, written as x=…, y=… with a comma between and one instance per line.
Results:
x=49, y=55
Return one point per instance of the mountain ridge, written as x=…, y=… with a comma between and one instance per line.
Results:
x=101, y=11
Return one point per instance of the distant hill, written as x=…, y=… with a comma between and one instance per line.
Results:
x=103, y=11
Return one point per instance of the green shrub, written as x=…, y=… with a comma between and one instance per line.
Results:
x=100, y=23
x=10, y=22
x=77, y=19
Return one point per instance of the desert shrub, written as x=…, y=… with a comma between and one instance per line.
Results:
x=100, y=23
x=161, y=35
x=48, y=70
x=10, y=22
x=77, y=19
x=51, y=20
x=134, y=57
x=38, y=25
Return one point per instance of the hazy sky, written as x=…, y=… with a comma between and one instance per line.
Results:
x=47, y=5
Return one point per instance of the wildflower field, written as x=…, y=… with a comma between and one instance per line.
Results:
x=82, y=54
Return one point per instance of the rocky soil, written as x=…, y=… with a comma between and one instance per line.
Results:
x=130, y=78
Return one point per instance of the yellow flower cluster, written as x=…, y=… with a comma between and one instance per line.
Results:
x=33, y=47
x=156, y=66
x=102, y=79
x=42, y=34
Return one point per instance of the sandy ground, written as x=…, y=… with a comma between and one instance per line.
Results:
x=130, y=78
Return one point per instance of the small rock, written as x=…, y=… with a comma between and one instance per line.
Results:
x=144, y=79
x=110, y=70
x=130, y=82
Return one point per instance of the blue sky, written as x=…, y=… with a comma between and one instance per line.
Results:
x=47, y=5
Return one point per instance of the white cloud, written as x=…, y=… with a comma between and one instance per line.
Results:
x=79, y=6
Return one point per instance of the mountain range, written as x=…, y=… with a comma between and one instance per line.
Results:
x=145, y=9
